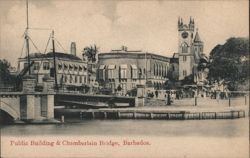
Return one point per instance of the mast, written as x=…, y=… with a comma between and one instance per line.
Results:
x=26, y=35
x=54, y=60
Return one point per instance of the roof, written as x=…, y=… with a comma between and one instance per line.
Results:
x=197, y=37
x=57, y=54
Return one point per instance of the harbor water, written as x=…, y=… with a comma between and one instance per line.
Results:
x=167, y=128
x=120, y=138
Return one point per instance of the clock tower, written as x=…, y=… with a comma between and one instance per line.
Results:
x=185, y=48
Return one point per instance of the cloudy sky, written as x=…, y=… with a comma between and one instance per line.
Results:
x=142, y=25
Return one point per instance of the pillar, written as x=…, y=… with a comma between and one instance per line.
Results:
x=48, y=89
x=140, y=98
x=29, y=83
x=48, y=84
x=30, y=107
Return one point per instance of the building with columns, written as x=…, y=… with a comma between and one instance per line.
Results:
x=70, y=69
x=128, y=68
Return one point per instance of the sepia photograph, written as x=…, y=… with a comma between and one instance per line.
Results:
x=124, y=79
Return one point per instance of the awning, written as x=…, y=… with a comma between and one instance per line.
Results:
x=124, y=66
x=133, y=66
x=102, y=67
x=111, y=67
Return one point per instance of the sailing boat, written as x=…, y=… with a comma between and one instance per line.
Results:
x=30, y=64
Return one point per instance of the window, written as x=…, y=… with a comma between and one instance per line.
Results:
x=184, y=48
x=102, y=72
x=59, y=66
x=65, y=67
x=134, y=71
x=46, y=66
x=111, y=69
x=85, y=79
x=159, y=70
x=80, y=68
x=76, y=79
x=70, y=67
x=70, y=79
x=140, y=72
x=84, y=68
x=66, y=79
x=110, y=73
x=25, y=65
x=184, y=73
x=184, y=58
x=123, y=71
x=133, y=85
x=80, y=79
x=75, y=68
x=36, y=66
x=166, y=71
x=154, y=69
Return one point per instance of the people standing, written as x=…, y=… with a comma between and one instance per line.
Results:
x=156, y=94
x=169, y=99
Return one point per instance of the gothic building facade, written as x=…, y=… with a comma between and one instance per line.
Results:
x=190, y=50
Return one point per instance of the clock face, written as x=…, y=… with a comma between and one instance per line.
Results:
x=184, y=35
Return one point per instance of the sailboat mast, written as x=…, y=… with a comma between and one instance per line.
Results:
x=26, y=35
x=54, y=59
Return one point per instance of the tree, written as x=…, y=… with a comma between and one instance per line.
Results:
x=230, y=62
x=5, y=76
x=90, y=52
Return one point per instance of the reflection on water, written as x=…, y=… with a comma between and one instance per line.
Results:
x=208, y=128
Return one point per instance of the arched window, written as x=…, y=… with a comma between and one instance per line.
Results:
x=157, y=69
x=184, y=48
x=140, y=73
x=70, y=79
x=164, y=71
x=154, y=69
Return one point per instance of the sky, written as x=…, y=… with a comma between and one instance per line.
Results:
x=140, y=25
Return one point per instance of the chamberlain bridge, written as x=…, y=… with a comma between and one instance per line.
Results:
x=29, y=105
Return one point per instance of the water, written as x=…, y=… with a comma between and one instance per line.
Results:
x=186, y=128
x=188, y=138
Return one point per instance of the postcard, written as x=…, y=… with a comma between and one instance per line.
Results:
x=124, y=79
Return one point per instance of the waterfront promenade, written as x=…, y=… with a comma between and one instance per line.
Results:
x=179, y=110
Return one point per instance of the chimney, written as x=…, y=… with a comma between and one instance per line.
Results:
x=73, y=48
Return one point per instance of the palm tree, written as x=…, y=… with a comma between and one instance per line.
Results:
x=90, y=52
